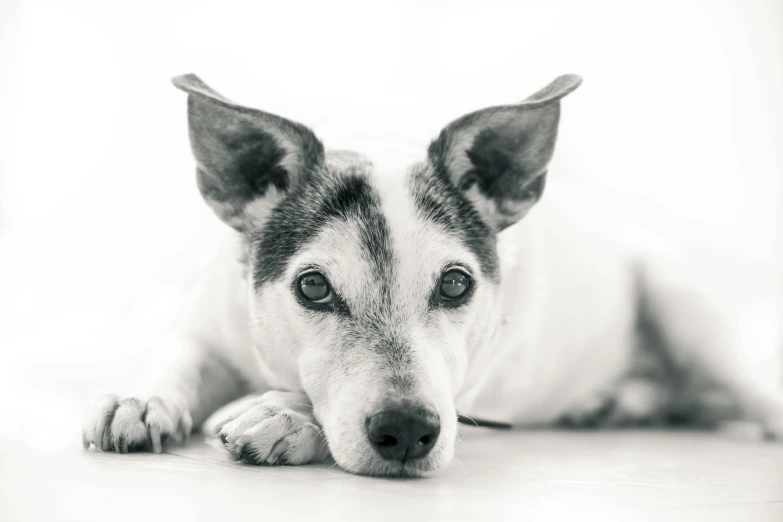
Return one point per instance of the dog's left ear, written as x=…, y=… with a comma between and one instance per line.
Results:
x=498, y=156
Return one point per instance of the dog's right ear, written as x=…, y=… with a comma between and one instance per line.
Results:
x=246, y=159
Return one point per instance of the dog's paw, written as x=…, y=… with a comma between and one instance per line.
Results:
x=276, y=428
x=638, y=402
x=634, y=402
x=132, y=424
x=589, y=413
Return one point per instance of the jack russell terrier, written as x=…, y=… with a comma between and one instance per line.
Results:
x=382, y=301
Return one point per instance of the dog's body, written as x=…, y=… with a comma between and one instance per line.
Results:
x=439, y=298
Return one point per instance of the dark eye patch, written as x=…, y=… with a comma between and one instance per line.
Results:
x=342, y=194
x=437, y=200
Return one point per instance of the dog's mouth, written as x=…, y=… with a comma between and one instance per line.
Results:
x=376, y=467
x=394, y=469
x=411, y=443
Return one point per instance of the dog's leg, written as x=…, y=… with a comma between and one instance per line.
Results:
x=192, y=387
x=634, y=401
x=702, y=346
x=274, y=428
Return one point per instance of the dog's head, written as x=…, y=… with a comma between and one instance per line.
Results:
x=371, y=289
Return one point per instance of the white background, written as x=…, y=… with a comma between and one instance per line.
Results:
x=678, y=125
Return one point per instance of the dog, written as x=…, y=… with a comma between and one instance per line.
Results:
x=358, y=306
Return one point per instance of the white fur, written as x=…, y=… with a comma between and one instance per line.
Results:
x=568, y=305
x=257, y=211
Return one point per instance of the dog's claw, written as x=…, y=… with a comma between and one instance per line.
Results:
x=186, y=424
x=275, y=455
x=157, y=446
x=246, y=454
x=126, y=425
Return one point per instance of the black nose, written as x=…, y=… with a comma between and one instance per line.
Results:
x=403, y=434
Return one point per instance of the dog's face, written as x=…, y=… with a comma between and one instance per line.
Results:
x=390, y=280
x=370, y=288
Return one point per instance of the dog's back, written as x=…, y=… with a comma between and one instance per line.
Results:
x=597, y=320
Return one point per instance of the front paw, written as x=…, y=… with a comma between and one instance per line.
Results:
x=276, y=428
x=132, y=424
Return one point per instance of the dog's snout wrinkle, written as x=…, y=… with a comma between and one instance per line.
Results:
x=403, y=434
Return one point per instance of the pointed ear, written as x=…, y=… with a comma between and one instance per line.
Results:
x=498, y=156
x=246, y=160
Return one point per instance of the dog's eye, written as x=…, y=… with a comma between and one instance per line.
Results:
x=454, y=284
x=315, y=288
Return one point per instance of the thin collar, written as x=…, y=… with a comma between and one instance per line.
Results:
x=480, y=423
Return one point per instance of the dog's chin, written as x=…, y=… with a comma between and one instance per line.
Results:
x=367, y=462
x=377, y=467
x=385, y=468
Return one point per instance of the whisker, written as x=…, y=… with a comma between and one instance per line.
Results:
x=254, y=322
x=248, y=327
x=465, y=469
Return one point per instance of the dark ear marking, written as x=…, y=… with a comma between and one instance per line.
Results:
x=247, y=160
x=498, y=156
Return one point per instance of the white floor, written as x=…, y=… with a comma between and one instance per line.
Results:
x=633, y=475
